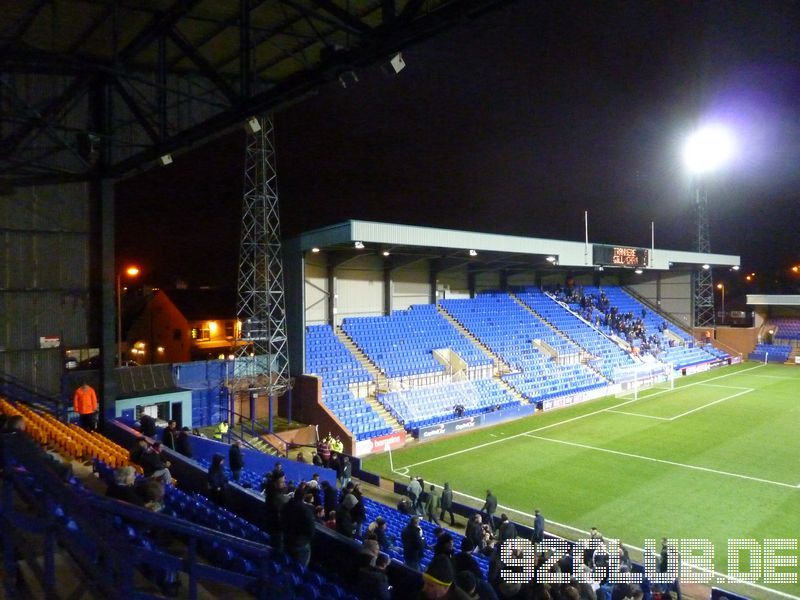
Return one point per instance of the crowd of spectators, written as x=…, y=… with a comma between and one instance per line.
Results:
x=597, y=309
x=292, y=511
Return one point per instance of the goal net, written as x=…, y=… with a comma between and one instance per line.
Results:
x=634, y=380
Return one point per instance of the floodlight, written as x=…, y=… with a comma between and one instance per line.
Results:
x=473, y=253
x=551, y=259
x=315, y=249
x=735, y=267
x=638, y=271
x=706, y=267
x=386, y=253
x=708, y=148
x=359, y=245
x=254, y=124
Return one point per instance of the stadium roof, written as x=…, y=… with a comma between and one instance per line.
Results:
x=107, y=86
x=773, y=299
x=494, y=251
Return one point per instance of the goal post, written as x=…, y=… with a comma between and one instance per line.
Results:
x=633, y=380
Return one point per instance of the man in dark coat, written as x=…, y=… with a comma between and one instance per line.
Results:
x=273, y=503
x=538, y=527
x=413, y=543
x=235, y=459
x=298, y=527
x=169, y=436
x=446, y=504
x=182, y=444
x=490, y=507
x=344, y=516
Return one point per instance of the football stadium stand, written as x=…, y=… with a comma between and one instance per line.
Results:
x=545, y=362
x=402, y=343
x=428, y=405
x=609, y=355
x=785, y=328
x=771, y=352
x=620, y=314
x=327, y=357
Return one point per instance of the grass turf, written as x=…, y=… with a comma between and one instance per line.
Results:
x=716, y=458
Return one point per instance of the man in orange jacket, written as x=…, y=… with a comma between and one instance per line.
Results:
x=84, y=402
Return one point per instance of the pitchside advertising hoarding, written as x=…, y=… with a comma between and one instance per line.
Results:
x=435, y=431
x=381, y=443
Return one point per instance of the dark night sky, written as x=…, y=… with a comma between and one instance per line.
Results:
x=516, y=123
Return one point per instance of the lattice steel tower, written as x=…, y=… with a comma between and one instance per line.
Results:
x=262, y=356
x=704, y=280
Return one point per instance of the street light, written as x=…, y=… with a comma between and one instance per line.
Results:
x=131, y=271
x=721, y=287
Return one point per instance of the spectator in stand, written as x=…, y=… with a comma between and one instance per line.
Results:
x=301, y=458
x=438, y=581
x=84, y=402
x=380, y=528
x=490, y=507
x=347, y=470
x=153, y=495
x=298, y=526
x=359, y=511
x=465, y=561
x=315, y=459
x=330, y=523
x=169, y=436
x=372, y=580
x=147, y=425
x=319, y=514
x=344, y=515
x=446, y=504
x=182, y=444
x=324, y=451
x=149, y=459
x=432, y=504
x=507, y=529
x=413, y=543
x=329, y=497
x=217, y=480
x=405, y=506
x=235, y=459
x=276, y=497
x=444, y=545
x=474, y=532
x=538, y=527
x=124, y=486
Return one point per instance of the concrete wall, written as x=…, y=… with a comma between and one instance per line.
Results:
x=45, y=238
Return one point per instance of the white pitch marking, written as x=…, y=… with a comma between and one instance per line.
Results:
x=602, y=410
x=728, y=387
x=663, y=462
x=633, y=414
x=716, y=574
x=688, y=412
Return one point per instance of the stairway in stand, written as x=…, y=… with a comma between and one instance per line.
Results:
x=500, y=366
x=381, y=382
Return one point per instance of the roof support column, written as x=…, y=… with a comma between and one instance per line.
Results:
x=433, y=274
x=330, y=273
x=387, y=287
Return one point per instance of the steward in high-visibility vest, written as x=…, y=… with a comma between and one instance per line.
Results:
x=221, y=430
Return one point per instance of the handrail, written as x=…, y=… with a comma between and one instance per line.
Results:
x=256, y=430
x=94, y=516
x=661, y=313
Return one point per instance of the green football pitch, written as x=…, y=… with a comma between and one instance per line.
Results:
x=716, y=458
